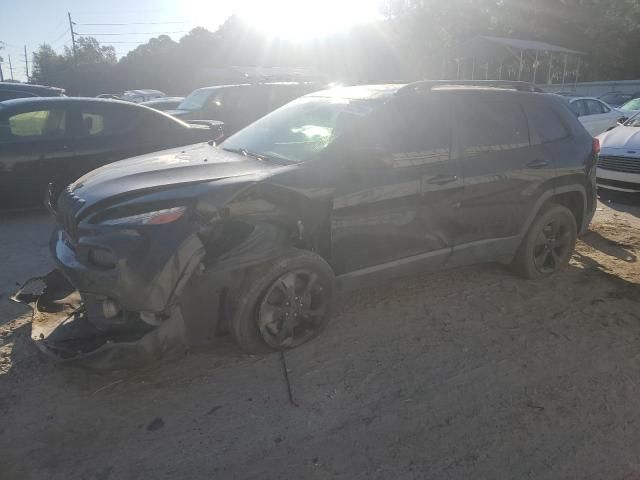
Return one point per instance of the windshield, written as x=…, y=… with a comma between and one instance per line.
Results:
x=196, y=100
x=300, y=129
x=631, y=105
x=615, y=98
x=633, y=121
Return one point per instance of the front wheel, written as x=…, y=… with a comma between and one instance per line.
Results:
x=549, y=243
x=283, y=304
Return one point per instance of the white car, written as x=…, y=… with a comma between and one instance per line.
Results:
x=594, y=114
x=139, y=96
x=619, y=162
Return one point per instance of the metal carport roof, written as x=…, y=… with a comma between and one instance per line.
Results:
x=497, y=48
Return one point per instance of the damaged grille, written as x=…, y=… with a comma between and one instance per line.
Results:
x=69, y=204
x=620, y=164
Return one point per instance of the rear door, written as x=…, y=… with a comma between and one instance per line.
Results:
x=594, y=115
x=104, y=133
x=603, y=116
x=502, y=170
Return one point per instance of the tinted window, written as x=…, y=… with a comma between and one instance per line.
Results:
x=494, y=125
x=229, y=99
x=103, y=120
x=580, y=108
x=595, y=108
x=414, y=130
x=41, y=123
x=547, y=123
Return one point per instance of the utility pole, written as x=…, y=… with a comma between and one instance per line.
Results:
x=73, y=39
x=26, y=63
x=10, y=67
x=1, y=60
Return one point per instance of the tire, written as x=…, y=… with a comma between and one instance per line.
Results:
x=549, y=243
x=283, y=304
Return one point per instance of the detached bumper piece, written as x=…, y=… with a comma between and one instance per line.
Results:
x=62, y=329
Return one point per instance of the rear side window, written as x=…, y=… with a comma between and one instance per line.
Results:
x=41, y=123
x=98, y=120
x=494, y=126
x=547, y=123
x=595, y=107
x=579, y=107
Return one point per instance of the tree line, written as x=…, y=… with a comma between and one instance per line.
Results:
x=414, y=39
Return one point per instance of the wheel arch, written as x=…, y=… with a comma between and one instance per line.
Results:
x=573, y=197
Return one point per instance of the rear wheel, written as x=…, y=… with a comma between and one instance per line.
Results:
x=549, y=243
x=284, y=304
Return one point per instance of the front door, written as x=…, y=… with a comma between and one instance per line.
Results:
x=39, y=148
x=398, y=189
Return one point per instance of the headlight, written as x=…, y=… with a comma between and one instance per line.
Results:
x=157, y=217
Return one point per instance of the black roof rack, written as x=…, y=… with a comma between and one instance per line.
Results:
x=506, y=84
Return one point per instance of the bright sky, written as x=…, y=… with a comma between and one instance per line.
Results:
x=32, y=22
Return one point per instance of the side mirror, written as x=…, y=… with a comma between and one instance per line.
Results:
x=622, y=120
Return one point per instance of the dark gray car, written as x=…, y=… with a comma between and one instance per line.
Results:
x=57, y=140
x=335, y=190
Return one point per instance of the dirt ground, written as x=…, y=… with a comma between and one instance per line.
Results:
x=470, y=373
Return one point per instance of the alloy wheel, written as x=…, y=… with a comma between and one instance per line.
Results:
x=292, y=309
x=551, y=246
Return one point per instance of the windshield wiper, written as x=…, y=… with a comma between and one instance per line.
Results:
x=248, y=153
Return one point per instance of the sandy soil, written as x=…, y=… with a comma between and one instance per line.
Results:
x=470, y=373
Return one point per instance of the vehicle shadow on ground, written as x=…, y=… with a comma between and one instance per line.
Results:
x=621, y=201
x=609, y=247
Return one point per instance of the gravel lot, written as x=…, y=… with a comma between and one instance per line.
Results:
x=470, y=373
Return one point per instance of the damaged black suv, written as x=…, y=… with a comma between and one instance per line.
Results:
x=333, y=190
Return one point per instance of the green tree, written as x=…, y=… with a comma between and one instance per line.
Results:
x=90, y=52
x=49, y=68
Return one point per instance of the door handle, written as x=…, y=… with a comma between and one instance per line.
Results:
x=442, y=179
x=538, y=164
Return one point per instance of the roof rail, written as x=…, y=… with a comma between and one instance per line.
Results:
x=506, y=84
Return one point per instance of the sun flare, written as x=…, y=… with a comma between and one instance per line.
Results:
x=307, y=19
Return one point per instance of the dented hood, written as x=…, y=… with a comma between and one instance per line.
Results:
x=185, y=165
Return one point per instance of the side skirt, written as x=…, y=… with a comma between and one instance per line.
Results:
x=484, y=251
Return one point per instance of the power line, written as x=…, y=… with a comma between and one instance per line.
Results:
x=60, y=24
x=131, y=23
x=128, y=33
x=128, y=43
x=60, y=36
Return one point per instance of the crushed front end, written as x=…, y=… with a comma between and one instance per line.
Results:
x=147, y=250
x=113, y=300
